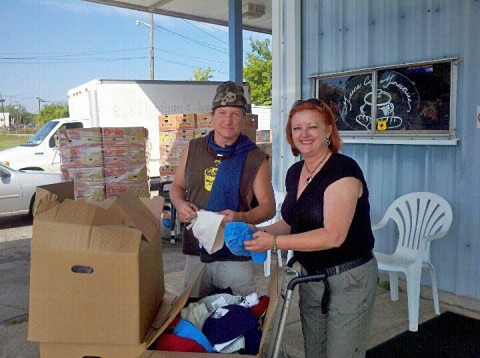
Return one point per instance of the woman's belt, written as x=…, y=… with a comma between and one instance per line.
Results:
x=331, y=271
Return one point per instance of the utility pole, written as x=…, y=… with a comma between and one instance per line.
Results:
x=152, y=52
x=39, y=103
x=152, y=49
x=3, y=110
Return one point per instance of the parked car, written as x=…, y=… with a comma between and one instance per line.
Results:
x=17, y=189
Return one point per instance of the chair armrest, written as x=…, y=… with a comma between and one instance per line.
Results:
x=434, y=237
x=380, y=224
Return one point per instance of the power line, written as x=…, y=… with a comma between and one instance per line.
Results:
x=95, y=60
x=215, y=27
x=211, y=47
x=27, y=61
x=205, y=32
x=195, y=57
x=49, y=54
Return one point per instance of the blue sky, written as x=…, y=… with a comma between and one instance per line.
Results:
x=50, y=46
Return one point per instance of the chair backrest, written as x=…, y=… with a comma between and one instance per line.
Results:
x=420, y=218
x=279, y=197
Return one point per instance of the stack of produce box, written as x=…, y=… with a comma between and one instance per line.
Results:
x=105, y=162
x=266, y=147
x=176, y=130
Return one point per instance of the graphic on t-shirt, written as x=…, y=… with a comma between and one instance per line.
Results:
x=209, y=176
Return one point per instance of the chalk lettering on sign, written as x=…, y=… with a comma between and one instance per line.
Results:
x=397, y=101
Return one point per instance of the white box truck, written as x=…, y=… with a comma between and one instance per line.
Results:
x=115, y=103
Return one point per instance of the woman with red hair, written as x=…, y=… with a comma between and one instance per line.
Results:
x=326, y=221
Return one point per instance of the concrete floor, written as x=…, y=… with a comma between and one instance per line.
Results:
x=390, y=317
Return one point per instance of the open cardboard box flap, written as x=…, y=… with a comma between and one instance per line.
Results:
x=55, y=202
x=170, y=308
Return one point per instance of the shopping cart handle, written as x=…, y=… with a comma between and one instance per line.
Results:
x=307, y=278
x=291, y=262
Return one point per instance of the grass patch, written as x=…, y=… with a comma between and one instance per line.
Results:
x=11, y=140
x=16, y=320
x=385, y=285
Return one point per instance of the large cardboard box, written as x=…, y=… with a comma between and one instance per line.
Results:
x=204, y=120
x=251, y=121
x=169, y=309
x=96, y=270
x=251, y=133
x=124, y=136
x=168, y=168
x=81, y=137
x=179, y=137
x=177, y=121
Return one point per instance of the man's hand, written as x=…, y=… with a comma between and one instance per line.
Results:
x=187, y=211
x=231, y=215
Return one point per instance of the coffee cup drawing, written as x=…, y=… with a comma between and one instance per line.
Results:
x=385, y=106
x=385, y=111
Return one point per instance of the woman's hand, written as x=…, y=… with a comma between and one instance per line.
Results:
x=262, y=241
x=187, y=211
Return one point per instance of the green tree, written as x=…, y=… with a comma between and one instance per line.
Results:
x=19, y=113
x=202, y=75
x=52, y=111
x=258, y=72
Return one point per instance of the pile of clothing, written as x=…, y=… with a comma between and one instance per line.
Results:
x=220, y=322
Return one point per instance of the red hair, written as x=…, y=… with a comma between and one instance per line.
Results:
x=327, y=117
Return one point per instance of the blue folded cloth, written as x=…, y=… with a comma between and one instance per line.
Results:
x=185, y=329
x=231, y=322
x=234, y=236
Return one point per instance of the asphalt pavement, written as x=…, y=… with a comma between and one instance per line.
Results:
x=15, y=236
x=390, y=318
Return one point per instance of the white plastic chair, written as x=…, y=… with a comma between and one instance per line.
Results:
x=420, y=218
x=279, y=196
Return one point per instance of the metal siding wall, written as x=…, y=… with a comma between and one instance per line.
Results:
x=339, y=35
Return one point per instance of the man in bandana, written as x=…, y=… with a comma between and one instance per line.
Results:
x=226, y=173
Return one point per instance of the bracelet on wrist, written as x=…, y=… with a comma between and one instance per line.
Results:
x=274, y=245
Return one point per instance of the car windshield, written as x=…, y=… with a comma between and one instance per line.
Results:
x=5, y=169
x=38, y=137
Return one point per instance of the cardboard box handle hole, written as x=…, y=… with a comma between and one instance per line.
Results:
x=82, y=269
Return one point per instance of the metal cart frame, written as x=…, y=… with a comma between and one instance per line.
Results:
x=288, y=287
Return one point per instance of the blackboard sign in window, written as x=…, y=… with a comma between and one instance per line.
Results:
x=407, y=102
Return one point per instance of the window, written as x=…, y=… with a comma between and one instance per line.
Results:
x=414, y=103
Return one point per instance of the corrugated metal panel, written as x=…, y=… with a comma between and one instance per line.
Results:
x=347, y=35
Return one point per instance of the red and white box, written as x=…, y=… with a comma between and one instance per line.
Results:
x=202, y=132
x=80, y=157
x=204, y=120
x=169, y=152
x=123, y=155
x=178, y=136
x=177, y=121
x=118, y=174
x=93, y=174
x=124, y=136
x=88, y=191
x=114, y=190
x=168, y=168
x=81, y=137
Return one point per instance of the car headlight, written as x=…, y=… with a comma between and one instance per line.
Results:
x=5, y=163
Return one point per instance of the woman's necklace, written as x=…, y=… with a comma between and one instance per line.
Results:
x=310, y=173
